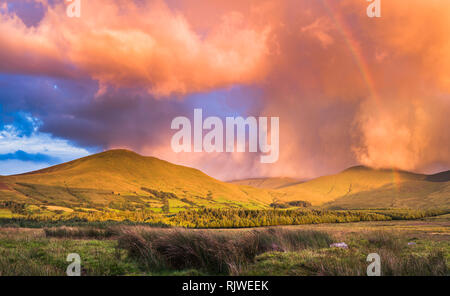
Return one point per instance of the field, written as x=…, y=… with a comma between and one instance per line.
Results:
x=416, y=247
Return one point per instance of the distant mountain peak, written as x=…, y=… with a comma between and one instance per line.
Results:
x=359, y=168
x=439, y=177
x=118, y=152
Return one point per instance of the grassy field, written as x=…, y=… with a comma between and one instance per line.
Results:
x=19, y=215
x=419, y=247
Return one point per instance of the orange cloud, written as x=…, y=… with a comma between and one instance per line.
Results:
x=348, y=89
x=146, y=45
x=404, y=133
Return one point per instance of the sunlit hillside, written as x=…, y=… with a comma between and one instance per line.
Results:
x=362, y=187
x=122, y=176
x=124, y=180
x=267, y=183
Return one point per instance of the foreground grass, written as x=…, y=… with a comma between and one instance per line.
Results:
x=213, y=252
x=423, y=258
x=39, y=256
x=287, y=252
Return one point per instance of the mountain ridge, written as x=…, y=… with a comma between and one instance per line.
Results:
x=268, y=182
x=123, y=172
x=364, y=187
x=123, y=176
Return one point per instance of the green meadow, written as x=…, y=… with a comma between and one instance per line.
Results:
x=419, y=247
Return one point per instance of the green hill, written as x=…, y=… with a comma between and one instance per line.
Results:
x=122, y=179
x=362, y=187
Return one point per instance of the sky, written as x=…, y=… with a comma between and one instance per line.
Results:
x=348, y=89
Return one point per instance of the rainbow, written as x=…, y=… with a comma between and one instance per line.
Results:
x=354, y=48
x=363, y=68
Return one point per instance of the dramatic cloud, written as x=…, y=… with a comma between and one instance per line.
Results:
x=135, y=44
x=348, y=89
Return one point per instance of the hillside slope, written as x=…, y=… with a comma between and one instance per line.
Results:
x=267, y=183
x=124, y=176
x=124, y=180
x=362, y=187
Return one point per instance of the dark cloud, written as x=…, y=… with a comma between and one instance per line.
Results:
x=30, y=12
x=117, y=118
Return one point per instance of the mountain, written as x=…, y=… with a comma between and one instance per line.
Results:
x=363, y=187
x=124, y=178
x=267, y=183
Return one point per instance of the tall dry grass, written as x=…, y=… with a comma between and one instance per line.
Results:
x=214, y=252
x=81, y=232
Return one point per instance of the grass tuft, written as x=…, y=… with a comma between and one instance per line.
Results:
x=216, y=252
x=81, y=232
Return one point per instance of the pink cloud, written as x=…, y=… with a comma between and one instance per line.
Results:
x=348, y=89
x=124, y=44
